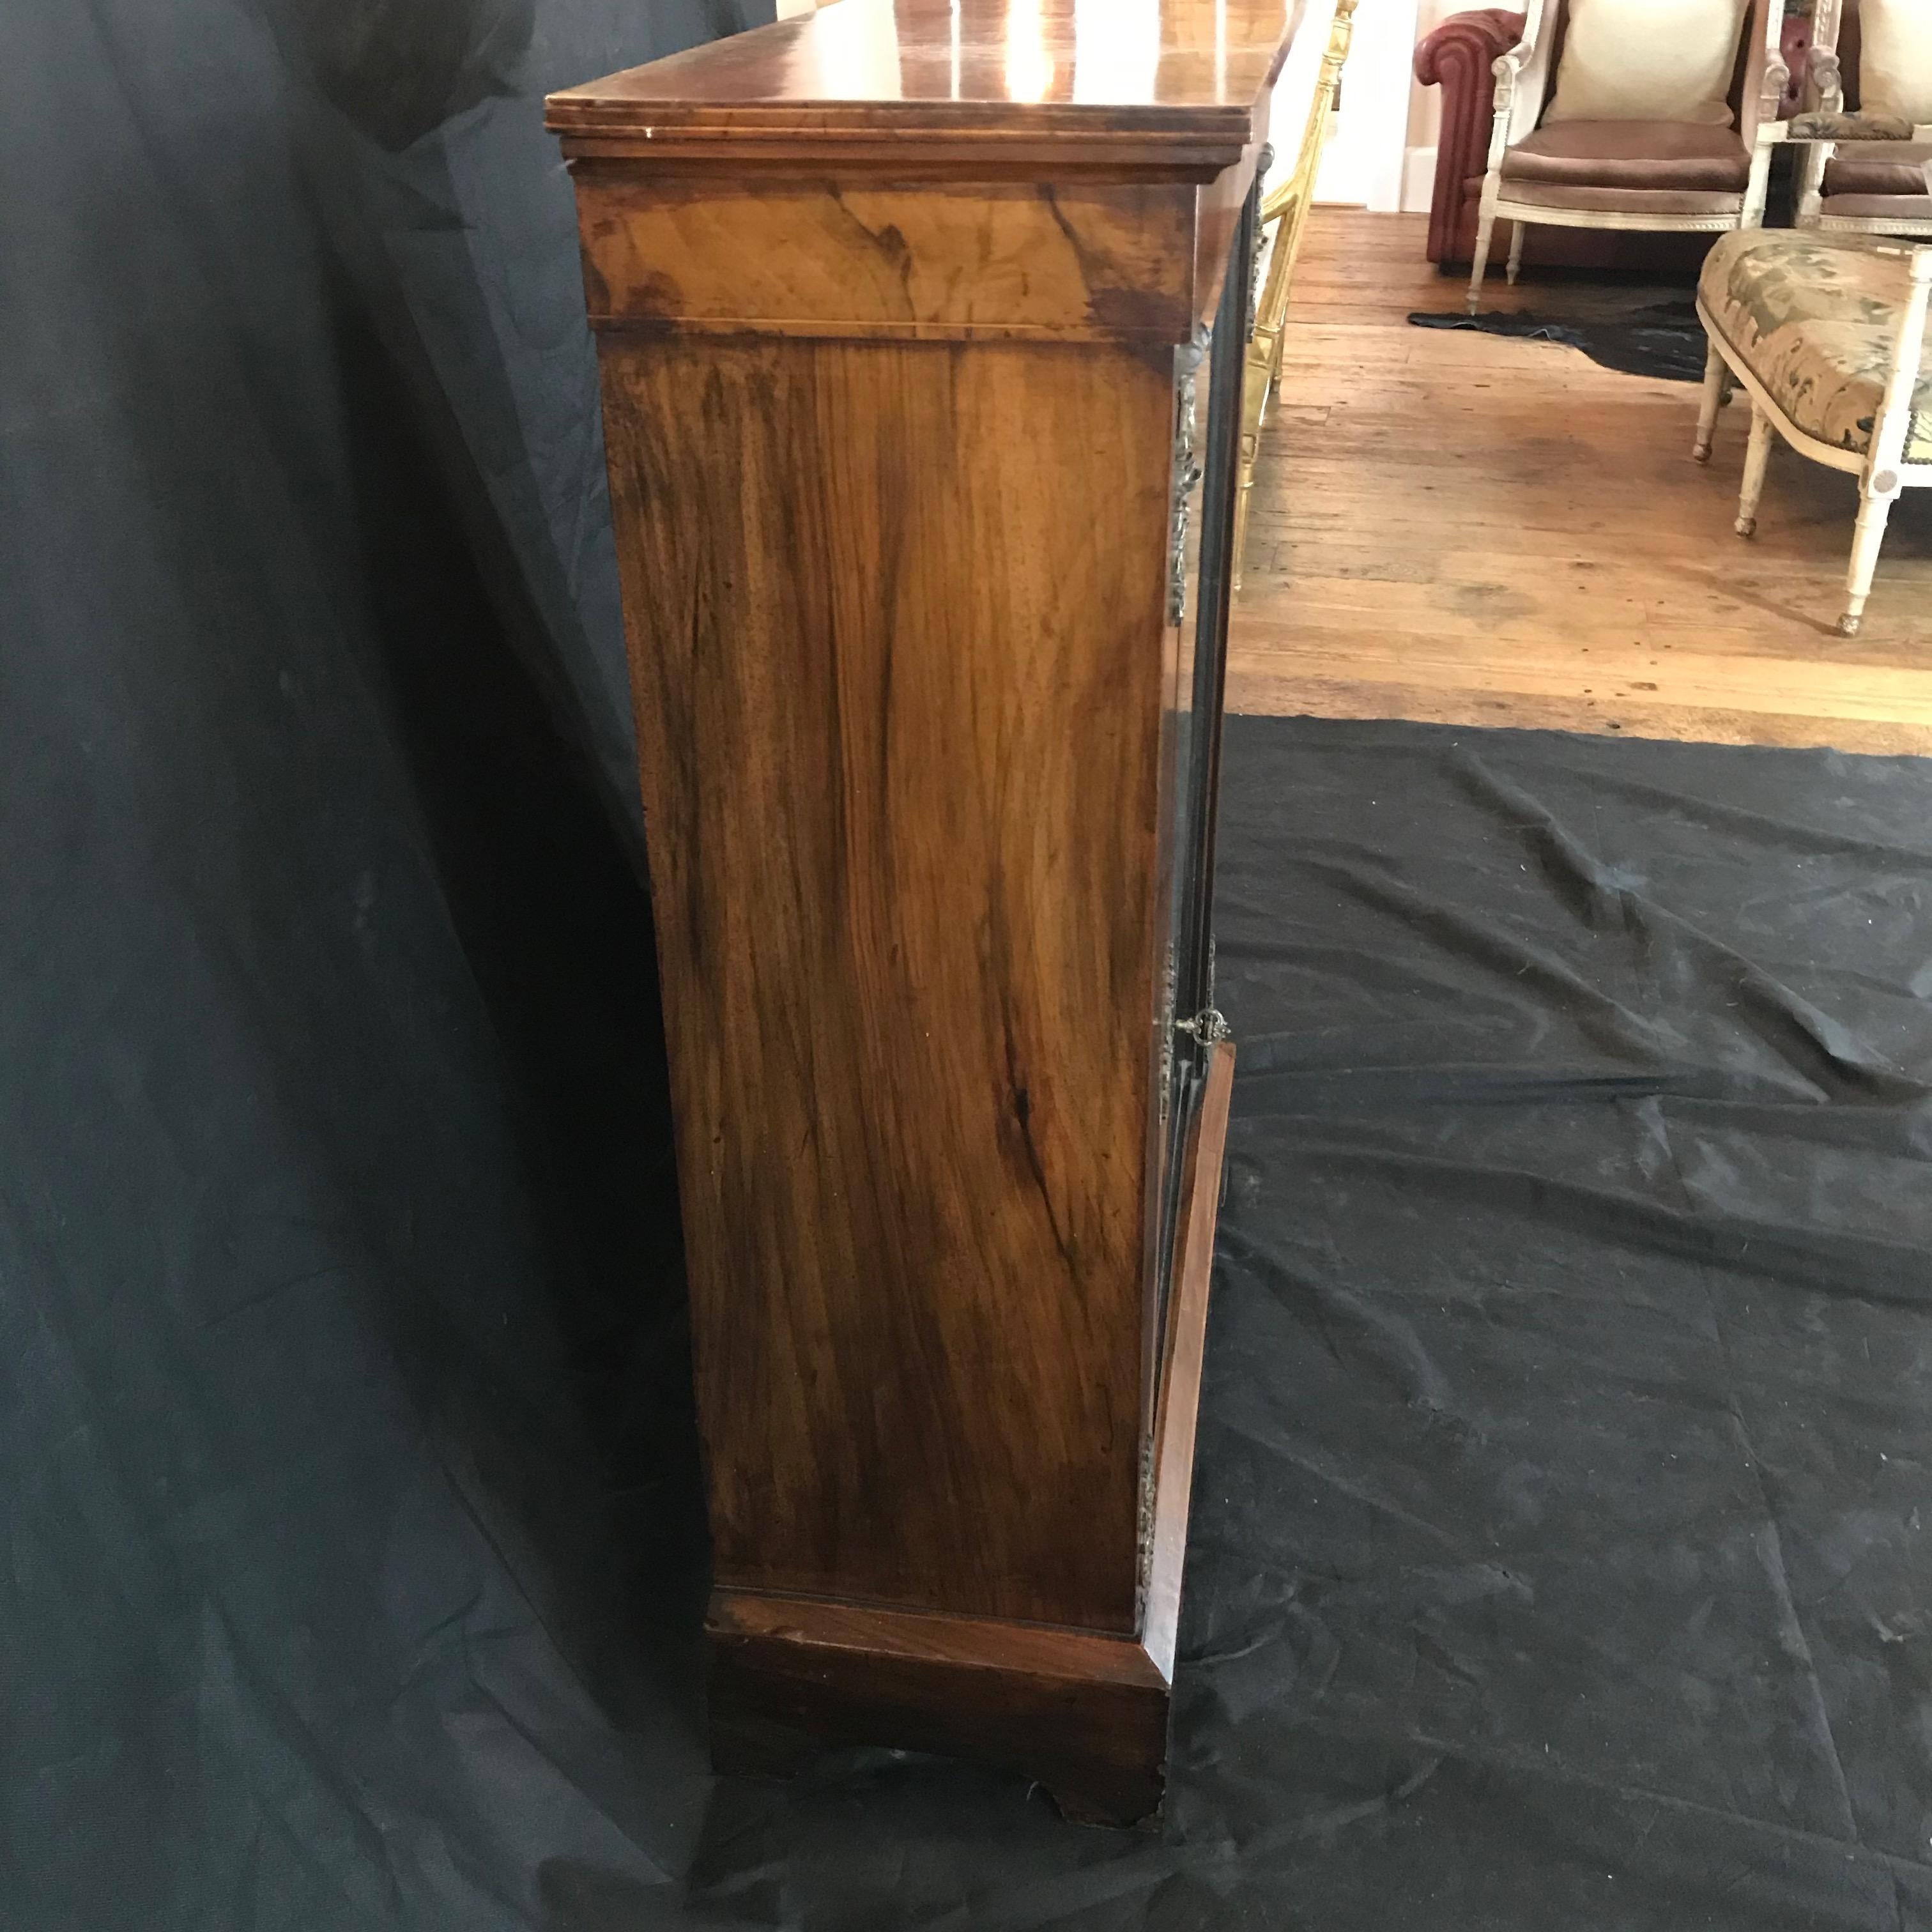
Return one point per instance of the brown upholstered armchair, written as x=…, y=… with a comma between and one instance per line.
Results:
x=1459, y=56
x=1685, y=176
x=1861, y=172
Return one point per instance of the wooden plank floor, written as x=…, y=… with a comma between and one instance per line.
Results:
x=1475, y=531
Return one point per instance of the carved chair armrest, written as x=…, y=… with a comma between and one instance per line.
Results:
x=1827, y=80
x=1768, y=122
x=1508, y=70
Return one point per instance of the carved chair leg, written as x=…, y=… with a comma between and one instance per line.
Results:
x=1244, y=491
x=1486, y=224
x=1866, y=537
x=1757, y=455
x=1715, y=370
x=1518, y=229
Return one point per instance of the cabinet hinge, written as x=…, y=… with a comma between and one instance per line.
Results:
x=1206, y=1026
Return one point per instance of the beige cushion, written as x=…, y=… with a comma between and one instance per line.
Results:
x=1895, y=58
x=1677, y=154
x=1647, y=60
x=1814, y=318
x=1634, y=201
x=1907, y=214
x=1878, y=167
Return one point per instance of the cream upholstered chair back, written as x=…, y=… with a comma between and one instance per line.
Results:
x=1666, y=125
x=1834, y=27
x=1838, y=27
x=1865, y=130
x=1546, y=23
x=1848, y=51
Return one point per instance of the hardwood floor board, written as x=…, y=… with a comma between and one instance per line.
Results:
x=1476, y=530
x=1685, y=599
x=1352, y=697
x=1476, y=605
x=1636, y=673
x=1764, y=568
x=1766, y=619
x=1302, y=494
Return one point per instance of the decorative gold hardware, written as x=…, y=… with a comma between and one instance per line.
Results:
x=1187, y=361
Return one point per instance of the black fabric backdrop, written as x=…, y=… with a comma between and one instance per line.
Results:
x=1558, y=1558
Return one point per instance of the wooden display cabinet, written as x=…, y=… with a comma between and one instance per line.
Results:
x=921, y=329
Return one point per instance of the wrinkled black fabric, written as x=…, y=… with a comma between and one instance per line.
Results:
x=351, y=1516
x=1665, y=340
x=1558, y=1546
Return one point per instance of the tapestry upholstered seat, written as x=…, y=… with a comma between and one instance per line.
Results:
x=1827, y=333
x=1815, y=318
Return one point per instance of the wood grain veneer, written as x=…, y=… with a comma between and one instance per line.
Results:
x=1172, y=86
x=897, y=725
x=1084, y=1714
x=888, y=303
x=815, y=258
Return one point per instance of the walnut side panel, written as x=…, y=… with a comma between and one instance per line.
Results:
x=1085, y=1714
x=895, y=620
x=817, y=257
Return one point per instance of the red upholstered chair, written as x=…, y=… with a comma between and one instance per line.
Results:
x=1460, y=57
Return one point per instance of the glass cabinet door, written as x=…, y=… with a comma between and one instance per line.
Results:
x=1207, y=412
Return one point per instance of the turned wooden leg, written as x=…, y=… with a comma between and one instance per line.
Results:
x=1715, y=370
x=1486, y=225
x=1756, y=457
x=1518, y=229
x=1866, y=537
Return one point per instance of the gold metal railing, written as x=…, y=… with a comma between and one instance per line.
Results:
x=1285, y=209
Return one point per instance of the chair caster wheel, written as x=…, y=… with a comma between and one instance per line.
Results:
x=1747, y=526
x=1848, y=627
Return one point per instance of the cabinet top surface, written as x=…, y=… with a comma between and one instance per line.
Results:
x=1128, y=71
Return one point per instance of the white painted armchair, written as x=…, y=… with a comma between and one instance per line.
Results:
x=1866, y=158
x=1566, y=151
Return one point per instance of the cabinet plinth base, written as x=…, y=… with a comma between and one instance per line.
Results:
x=1084, y=1713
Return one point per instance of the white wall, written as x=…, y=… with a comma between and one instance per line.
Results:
x=1425, y=111
x=1363, y=165
x=1382, y=154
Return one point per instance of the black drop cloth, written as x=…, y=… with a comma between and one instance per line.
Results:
x=1558, y=1553
x=1664, y=340
x=1558, y=1550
